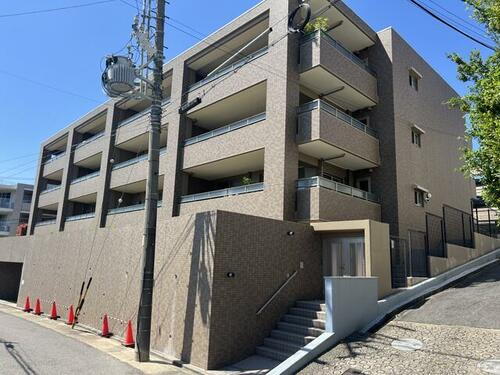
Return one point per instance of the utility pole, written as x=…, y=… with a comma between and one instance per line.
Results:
x=143, y=336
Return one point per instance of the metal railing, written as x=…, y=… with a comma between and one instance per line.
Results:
x=45, y=222
x=4, y=228
x=135, y=160
x=275, y=294
x=26, y=206
x=334, y=43
x=223, y=193
x=322, y=105
x=238, y=64
x=317, y=181
x=88, y=215
x=140, y=114
x=54, y=158
x=86, y=177
x=226, y=129
x=90, y=140
x=6, y=203
x=49, y=189
x=135, y=207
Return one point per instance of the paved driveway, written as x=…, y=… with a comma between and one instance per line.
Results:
x=459, y=328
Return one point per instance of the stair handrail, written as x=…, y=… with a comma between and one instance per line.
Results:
x=277, y=292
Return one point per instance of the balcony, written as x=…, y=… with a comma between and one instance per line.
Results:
x=320, y=199
x=252, y=188
x=329, y=134
x=84, y=186
x=49, y=197
x=137, y=125
x=132, y=208
x=88, y=148
x=26, y=207
x=329, y=69
x=52, y=168
x=4, y=229
x=6, y=205
x=89, y=215
x=132, y=170
x=45, y=222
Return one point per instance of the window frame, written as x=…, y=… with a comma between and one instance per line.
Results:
x=418, y=197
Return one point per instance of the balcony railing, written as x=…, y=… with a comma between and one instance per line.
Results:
x=90, y=140
x=4, y=228
x=6, y=203
x=45, y=222
x=238, y=64
x=26, y=206
x=138, y=115
x=306, y=183
x=351, y=56
x=226, y=129
x=135, y=160
x=88, y=215
x=54, y=157
x=223, y=193
x=49, y=189
x=338, y=114
x=135, y=207
x=86, y=177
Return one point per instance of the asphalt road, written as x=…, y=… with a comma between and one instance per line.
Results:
x=474, y=302
x=28, y=349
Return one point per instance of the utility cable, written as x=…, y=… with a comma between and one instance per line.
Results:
x=55, y=9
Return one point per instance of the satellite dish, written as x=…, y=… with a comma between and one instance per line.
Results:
x=119, y=76
x=299, y=18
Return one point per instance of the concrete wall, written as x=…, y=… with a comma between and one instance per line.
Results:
x=458, y=255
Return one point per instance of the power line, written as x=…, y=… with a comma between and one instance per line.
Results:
x=456, y=16
x=55, y=9
x=429, y=12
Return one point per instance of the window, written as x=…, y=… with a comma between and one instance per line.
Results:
x=415, y=138
x=419, y=198
x=364, y=184
x=414, y=78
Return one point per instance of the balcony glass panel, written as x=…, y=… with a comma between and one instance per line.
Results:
x=51, y=188
x=306, y=183
x=223, y=193
x=54, y=157
x=338, y=114
x=81, y=217
x=6, y=203
x=45, y=222
x=226, y=129
x=351, y=56
x=4, y=227
x=238, y=64
x=135, y=207
x=86, y=177
x=126, y=163
x=138, y=115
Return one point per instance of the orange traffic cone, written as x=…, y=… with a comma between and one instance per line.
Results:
x=53, y=312
x=105, y=328
x=27, y=306
x=38, y=308
x=71, y=316
x=129, y=336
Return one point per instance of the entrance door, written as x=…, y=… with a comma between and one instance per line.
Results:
x=344, y=256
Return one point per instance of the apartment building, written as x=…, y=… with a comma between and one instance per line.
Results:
x=15, y=204
x=309, y=155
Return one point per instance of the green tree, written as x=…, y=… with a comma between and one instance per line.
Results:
x=319, y=23
x=482, y=104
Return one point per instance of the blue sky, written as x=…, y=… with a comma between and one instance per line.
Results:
x=64, y=50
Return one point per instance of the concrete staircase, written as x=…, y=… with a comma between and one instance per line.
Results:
x=303, y=323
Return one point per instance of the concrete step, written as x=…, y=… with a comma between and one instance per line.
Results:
x=308, y=313
x=272, y=353
x=300, y=329
x=311, y=305
x=281, y=345
x=291, y=337
x=302, y=320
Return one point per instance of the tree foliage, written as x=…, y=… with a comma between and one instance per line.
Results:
x=319, y=23
x=482, y=104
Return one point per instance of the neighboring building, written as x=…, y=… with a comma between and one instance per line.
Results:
x=345, y=130
x=15, y=204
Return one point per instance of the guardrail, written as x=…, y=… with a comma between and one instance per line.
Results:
x=140, y=114
x=226, y=129
x=135, y=160
x=135, y=207
x=48, y=190
x=90, y=140
x=229, y=69
x=45, y=222
x=81, y=217
x=54, y=158
x=6, y=203
x=86, y=177
x=317, y=181
x=351, y=56
x=26, y=206
x=223, y=193
x=338, y=114
x=4, y=228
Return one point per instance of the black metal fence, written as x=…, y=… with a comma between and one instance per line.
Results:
x=398, y=262
x=435, y=235
x=458, y=227
x=485, y=221
x=417, y=265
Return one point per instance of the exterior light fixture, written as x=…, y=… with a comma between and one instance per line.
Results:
x=290, y=233
x=230, y=275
